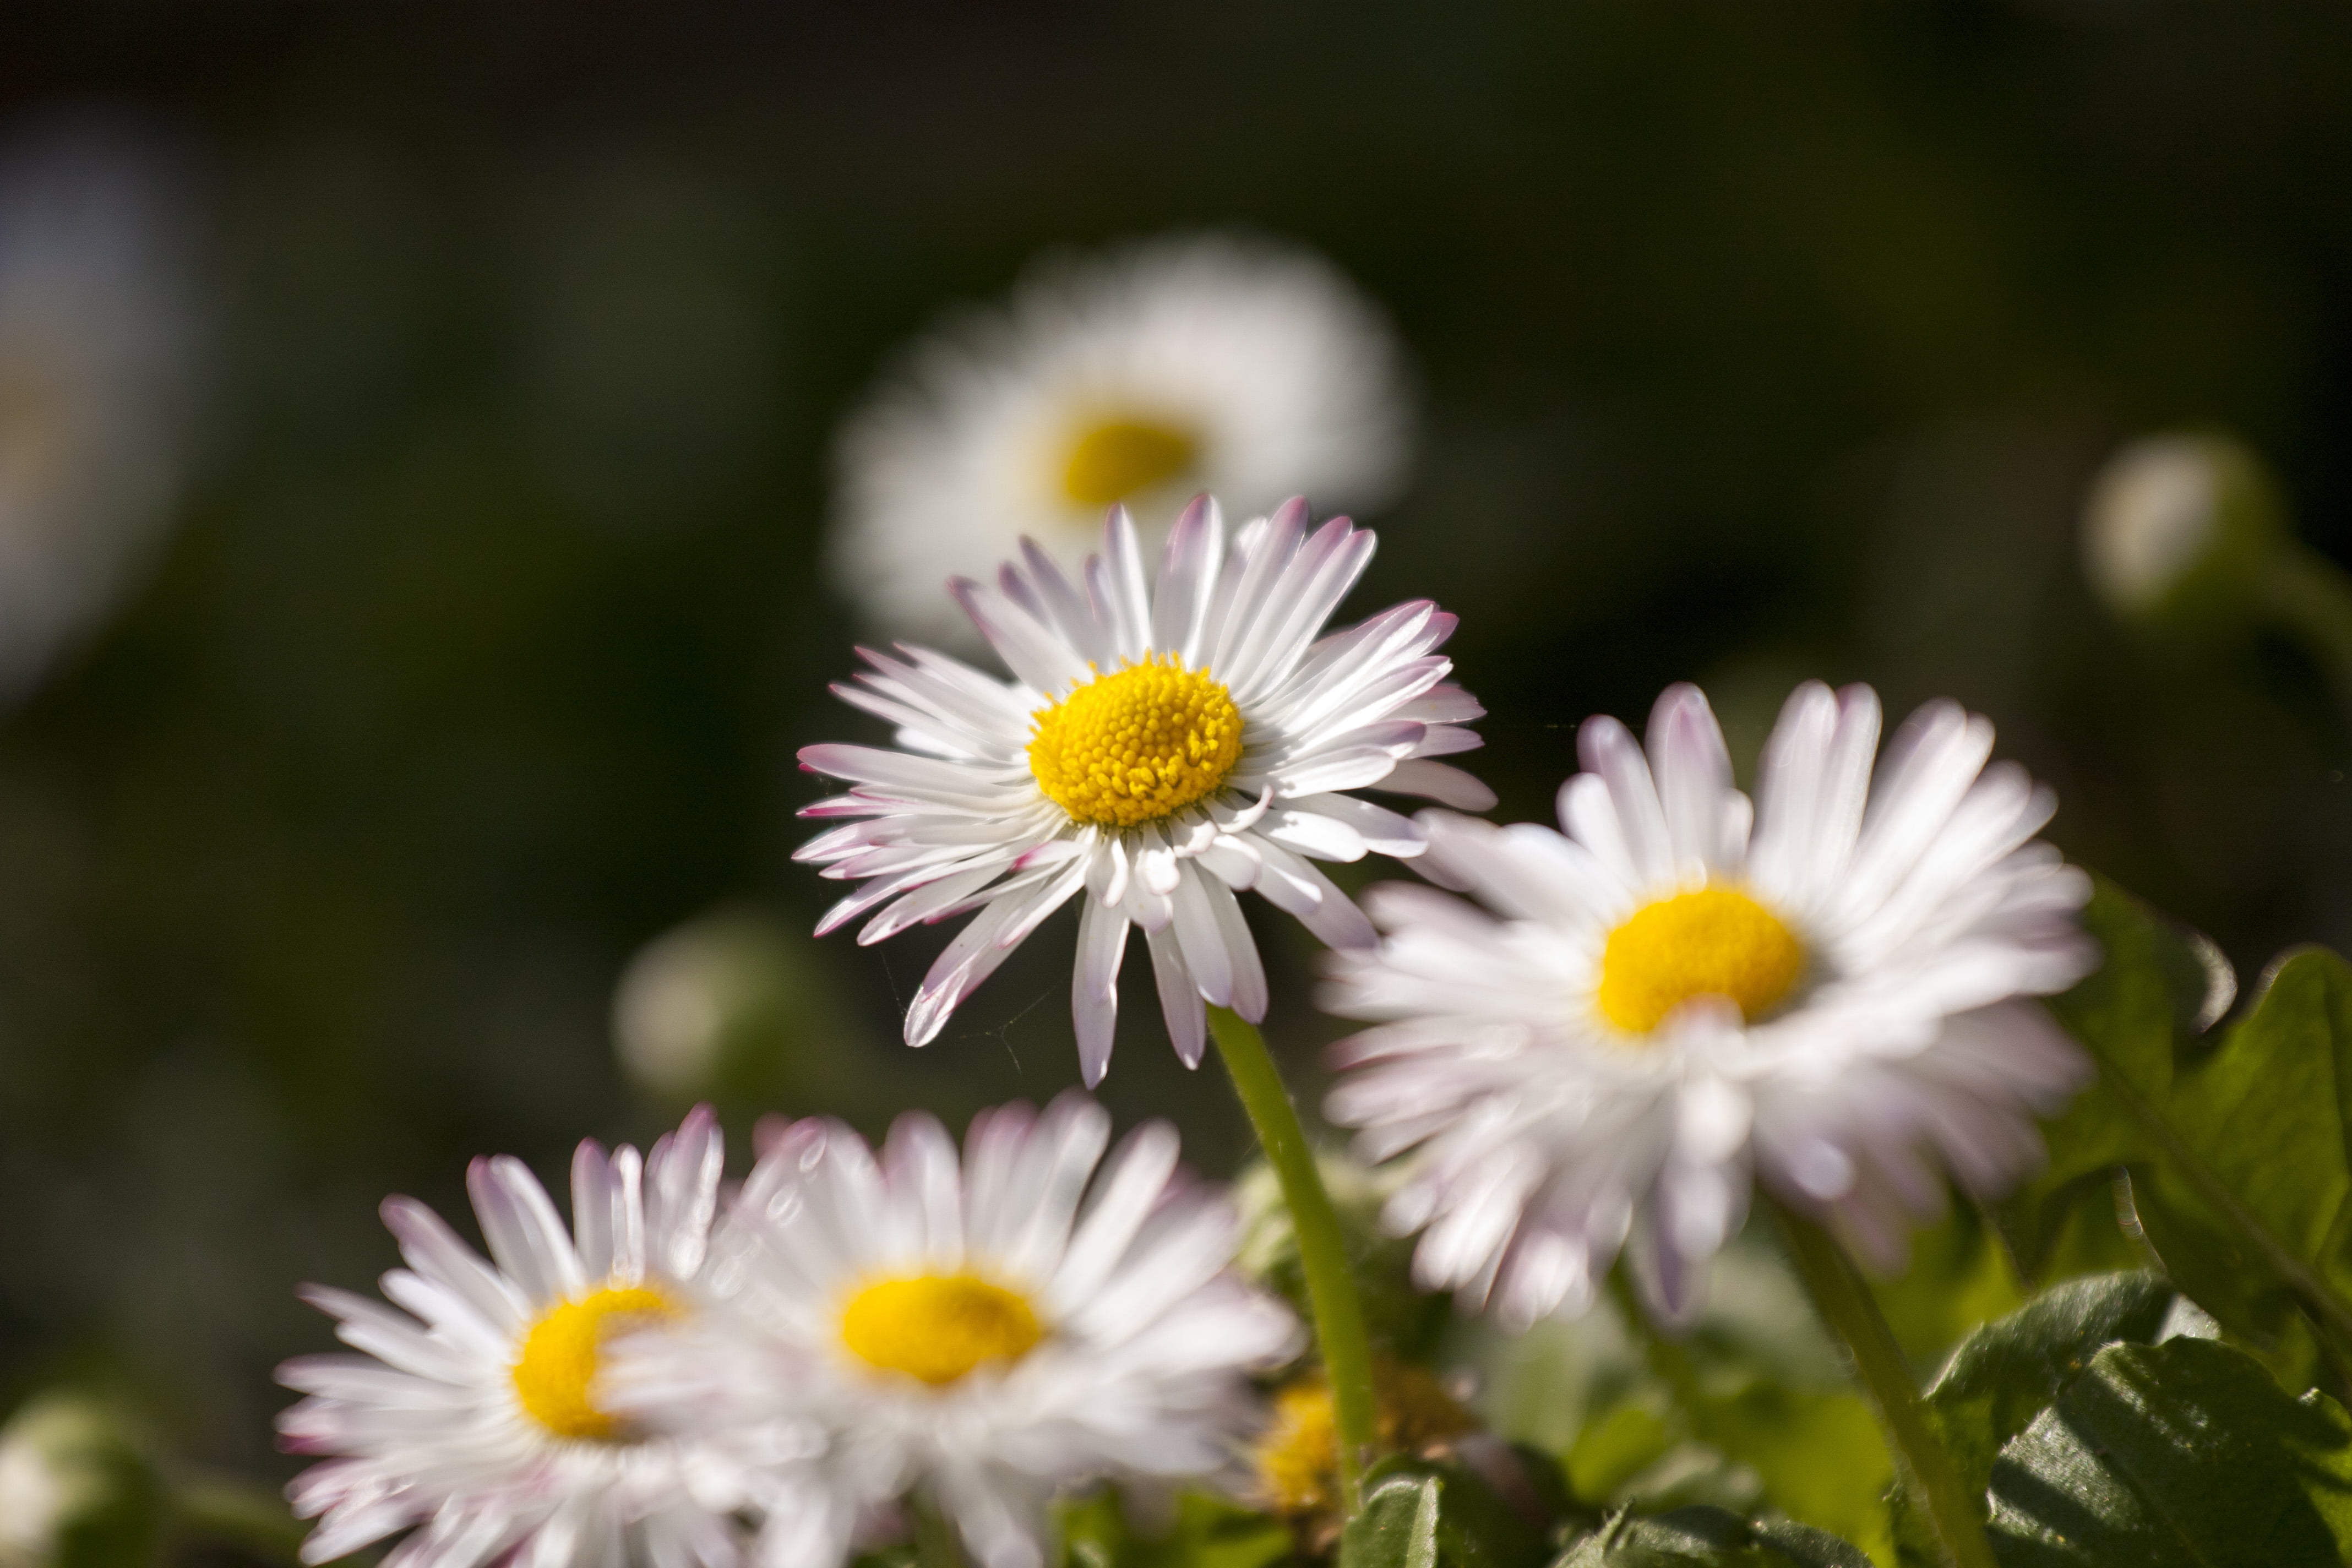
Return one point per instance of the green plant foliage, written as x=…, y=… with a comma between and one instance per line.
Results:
x=1420, y=1514
x=1817, y=1454
x=2239, y=1154
x=1959, y=1277
x=1750, y=1409
x=1399, y=1526
x=1709, y=1538
x=2008, y=1372
x=2133, y=1013
x=2185, y=1453
x=1204, y=1532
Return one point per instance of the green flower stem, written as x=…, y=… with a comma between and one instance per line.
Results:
x=229, y=1510
x=2309, y=595
x=1845, y=1304
x=1322, y=1249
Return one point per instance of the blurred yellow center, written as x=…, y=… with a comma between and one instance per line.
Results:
x=1115, y=458
x=938, y=1327
x=1296, y=1458
x=1136, y=745
x=552, y=1376
x=1711, y=942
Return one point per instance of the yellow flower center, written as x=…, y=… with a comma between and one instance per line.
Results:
x=938, y=1327
x=1137, y=744
x=1114, y=458
x=558, y=1364
x=1298, y=1460
x=1711, y=942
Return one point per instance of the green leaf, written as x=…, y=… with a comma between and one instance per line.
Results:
x=2007, y=1373
x=2135, y=1013
x=2264, y=1171
x=1709, y=1538
x=1476, y=1510
x=1398, y=1528
x=2185, y=1453
x=2240, y=1154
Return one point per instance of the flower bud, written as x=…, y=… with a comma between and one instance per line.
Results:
x=728, y=999
x=2179, y=529
x=77, y=1490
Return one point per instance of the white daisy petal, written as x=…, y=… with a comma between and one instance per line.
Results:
x=1649, y=1008
x=485, y=1435
x=1196, y=548
x=1094, y=982
x=1440, y=782
x=1180, y=997
x=1159, y=749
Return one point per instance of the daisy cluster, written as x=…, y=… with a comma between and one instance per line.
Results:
x=1585, y=1043
x=850, y=1335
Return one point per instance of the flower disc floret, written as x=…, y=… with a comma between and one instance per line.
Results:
x=1137, y=744
x=558, y=1364
x=1714, y=942
x=939, y=1328
x=1114, y=458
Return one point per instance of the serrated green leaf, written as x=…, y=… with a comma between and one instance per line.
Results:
x=2241, y=1154
x=2185, y=1453
x=2007, y=1373
x=1709, y=1538
x=2132, y=1014
x=2264, y=1166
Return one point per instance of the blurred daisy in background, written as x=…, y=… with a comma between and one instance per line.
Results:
x=478, y=1413
x=971, y=1333
x=1158, y=750
x=1141, y=374
x=1658, y=1003
x=98, y=335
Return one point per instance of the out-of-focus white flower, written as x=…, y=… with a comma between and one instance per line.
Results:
x=96, y=336
x=478, y=1413
x=1140, y=375
x=1660, y=1002
x=971, y=1334
x=2180, y=525
x=1156, y=750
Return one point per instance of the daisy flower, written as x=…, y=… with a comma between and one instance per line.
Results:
x=971, y=1334
x=478, y=1411
x=1156, y=750
x=1140, y=375
x=1662, y=1002
x=97, y=334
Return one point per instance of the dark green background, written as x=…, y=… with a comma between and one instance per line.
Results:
x=1757, y=342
